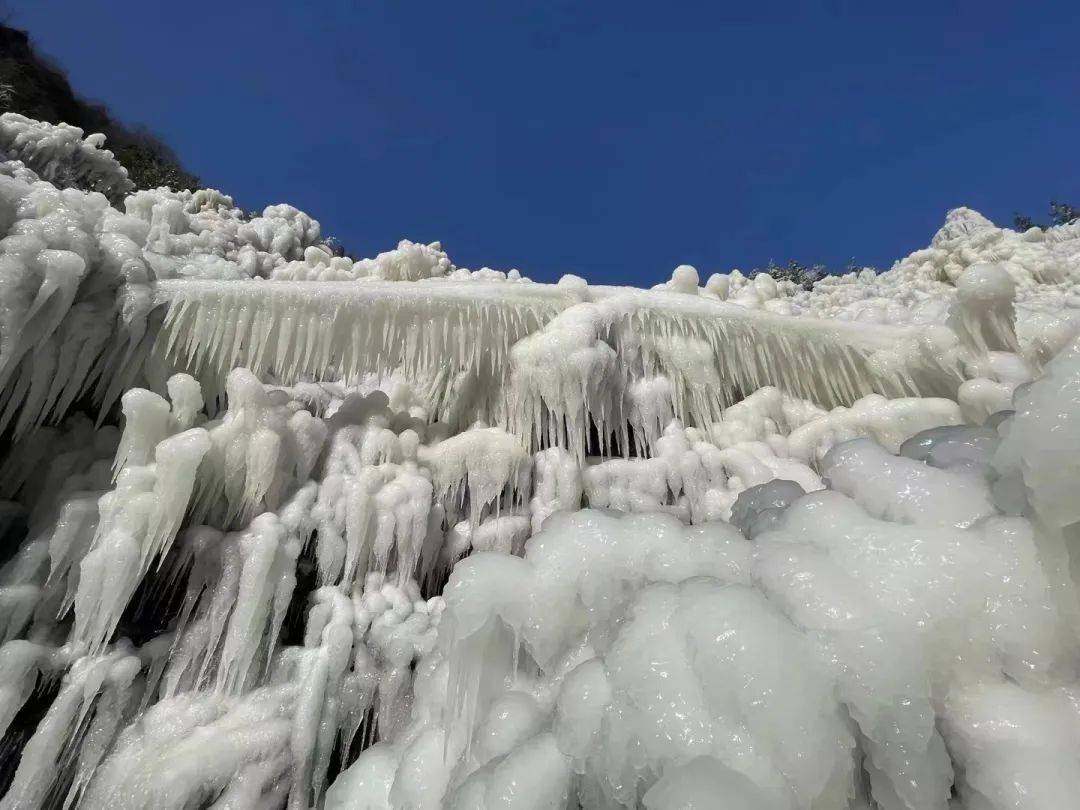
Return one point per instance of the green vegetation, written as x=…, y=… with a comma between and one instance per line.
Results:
x=32, y=86
x=803, y=275
x=1060, y=214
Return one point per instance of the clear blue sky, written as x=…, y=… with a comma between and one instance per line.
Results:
x=612, y=140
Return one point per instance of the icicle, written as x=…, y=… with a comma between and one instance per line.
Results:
x=259, y=547
x=146, y=422
x=20, y=662
x=42, y=753
x=140, y=519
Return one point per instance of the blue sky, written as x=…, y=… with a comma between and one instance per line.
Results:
x=611, y=140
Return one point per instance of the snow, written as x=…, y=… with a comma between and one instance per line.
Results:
x=291, y=530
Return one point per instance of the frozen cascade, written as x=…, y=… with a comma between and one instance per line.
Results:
x=532, y=351
x=288, y=530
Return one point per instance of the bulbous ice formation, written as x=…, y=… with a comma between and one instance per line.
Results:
x=983, y=312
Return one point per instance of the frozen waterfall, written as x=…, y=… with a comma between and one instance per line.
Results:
x=288, y=530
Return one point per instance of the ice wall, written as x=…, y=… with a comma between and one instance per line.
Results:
x=291, y=530
x=534, y=358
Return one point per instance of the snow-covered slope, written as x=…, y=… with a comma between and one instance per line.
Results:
x=290, y=530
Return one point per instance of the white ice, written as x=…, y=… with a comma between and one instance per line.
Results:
x=289, y=530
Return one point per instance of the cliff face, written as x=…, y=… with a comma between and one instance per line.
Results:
x=32, y=86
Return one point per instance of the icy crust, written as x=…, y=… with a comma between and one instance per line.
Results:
x=410, y=261
x=60, y=154
x=544, y=361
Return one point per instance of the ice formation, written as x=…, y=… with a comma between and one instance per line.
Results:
x=288, y=530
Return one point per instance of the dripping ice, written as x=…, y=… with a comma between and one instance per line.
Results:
x=289, y=530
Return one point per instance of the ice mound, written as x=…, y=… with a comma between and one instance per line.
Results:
x=922, y=288
x=60, y=154
x=292, y=530
x=621, y=649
